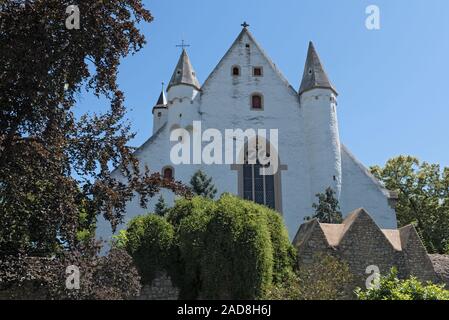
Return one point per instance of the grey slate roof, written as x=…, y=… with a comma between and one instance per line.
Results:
x=314, y=75
x=162, y=101
x=184, y=73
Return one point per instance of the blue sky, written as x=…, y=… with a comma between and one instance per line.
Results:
x=393, y=82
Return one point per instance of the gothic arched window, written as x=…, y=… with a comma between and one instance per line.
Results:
x=257, y=187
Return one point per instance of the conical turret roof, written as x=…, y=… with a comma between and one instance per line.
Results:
x=162, y=101
x=184, y=73
x=314, y=75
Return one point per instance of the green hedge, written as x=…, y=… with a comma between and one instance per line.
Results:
x=229, y=248
x=150, y=240
x=191, y=218
x=237, y=262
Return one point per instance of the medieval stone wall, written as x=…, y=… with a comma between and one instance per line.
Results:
x=441, y=265
x=361, y=243
x=364, y=245
x=161, y=288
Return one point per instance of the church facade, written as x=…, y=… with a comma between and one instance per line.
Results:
x=247, y=91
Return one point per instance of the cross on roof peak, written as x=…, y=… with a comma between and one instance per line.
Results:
x=245, y=25
x=183, y=45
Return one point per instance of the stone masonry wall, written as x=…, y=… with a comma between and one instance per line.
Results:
x=361, y=243
x=161, y=288
x=441, y=265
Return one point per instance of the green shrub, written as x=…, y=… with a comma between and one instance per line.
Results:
x=191, y=235
x=229, y=248
x=238, y=258
x=287, y=289
x=325, y=278
x=284, y=254
x=149, y=240
x=392, y=288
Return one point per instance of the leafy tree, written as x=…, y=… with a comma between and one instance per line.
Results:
x=325, y=278
x=55, y=167
x=423, y=198
x=237, y=251
x=101, y=277
x=51, y=160
x=161, y=208
x=392, y=288
x=327, y=210
x=191, y=218
x=202, y=185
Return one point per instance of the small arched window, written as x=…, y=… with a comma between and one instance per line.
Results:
x=257, y=101
x=235, y=70
x=167, y=173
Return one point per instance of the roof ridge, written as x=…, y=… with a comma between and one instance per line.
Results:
x=381, y=188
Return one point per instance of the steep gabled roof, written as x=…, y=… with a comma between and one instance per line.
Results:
x=394, y=237
x=335, y=233
x=314, y=75
x=388, y=193
x=139, y=150
x=332, y=232
x=252, y=40
x=184, y=73
x=310, y=233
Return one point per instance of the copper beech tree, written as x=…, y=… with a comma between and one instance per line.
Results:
x=55, y=168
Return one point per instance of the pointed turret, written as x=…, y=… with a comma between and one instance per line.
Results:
x=162, y=101
x=181, y=91
x=184, y=73
x=314, y=75
x=318, y=100
x=160, y=111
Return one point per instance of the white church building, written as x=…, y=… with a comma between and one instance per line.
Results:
x=246, y=90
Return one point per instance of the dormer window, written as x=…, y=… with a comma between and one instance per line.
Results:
x=257, y=72
x=235, y=71
x=256, y=101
